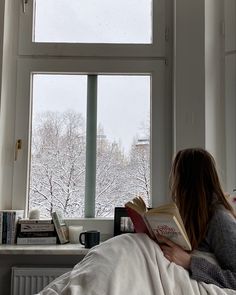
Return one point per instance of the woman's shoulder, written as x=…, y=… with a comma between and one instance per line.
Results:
x=221, y=237
x=222, y=218
x=221, y=213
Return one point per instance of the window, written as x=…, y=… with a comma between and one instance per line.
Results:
x=58, y=142
x=86, y=108
x=123, y=141
x=93, y=28
x=104, y=21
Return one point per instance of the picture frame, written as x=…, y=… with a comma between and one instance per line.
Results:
x=122, y=222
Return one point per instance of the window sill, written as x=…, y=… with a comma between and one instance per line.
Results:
x=66, y=249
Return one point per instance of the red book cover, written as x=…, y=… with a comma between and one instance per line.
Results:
x=138, y=221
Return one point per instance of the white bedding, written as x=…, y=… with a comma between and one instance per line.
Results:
x=129, y=264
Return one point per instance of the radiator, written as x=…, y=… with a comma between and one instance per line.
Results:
x=31, y=280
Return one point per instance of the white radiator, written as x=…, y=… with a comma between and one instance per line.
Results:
x=31, y=280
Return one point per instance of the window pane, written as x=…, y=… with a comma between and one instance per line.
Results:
x=57, y=166
x=123, y=137
x=93, y=21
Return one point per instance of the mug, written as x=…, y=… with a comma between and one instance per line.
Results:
x=89, y=238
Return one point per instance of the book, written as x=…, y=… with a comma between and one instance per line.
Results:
x=164, y=220
x=36, y=227
x=36, y=234
x=30, y=221
x=61, y=227
x=15, y=216
x=9, y=225
x=36, y=241
x=4, y=227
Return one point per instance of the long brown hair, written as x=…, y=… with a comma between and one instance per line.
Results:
x=196, y=189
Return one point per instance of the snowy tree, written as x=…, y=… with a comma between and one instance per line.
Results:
x=57, y=179
x=139, y=169
x=111, y=165
x=58, y=163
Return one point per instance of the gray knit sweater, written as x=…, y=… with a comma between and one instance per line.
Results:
x=221, y=241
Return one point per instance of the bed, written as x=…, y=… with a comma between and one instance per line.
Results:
x=129, y=264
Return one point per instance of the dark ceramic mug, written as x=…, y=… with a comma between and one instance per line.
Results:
x=89, y=238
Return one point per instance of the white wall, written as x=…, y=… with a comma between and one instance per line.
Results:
x=189, y=74
x=8, y=101
x=2, y=8
x=214, y=96
x=204, y=114
x=230, y=91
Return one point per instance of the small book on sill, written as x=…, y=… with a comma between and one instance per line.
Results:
x=164, y=220
x=36, y=227
x=61, y=227
x=34, y=221
x=36, y=234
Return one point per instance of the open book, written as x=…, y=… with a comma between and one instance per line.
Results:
x=164, y=220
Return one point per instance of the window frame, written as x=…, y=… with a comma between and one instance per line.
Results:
x=154, y=59
x=155, y=49
x=159, y=138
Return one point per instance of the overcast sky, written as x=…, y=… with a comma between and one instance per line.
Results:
x=123, y=102
x=112, y=21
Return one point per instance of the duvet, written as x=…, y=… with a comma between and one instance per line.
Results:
x=129, y=264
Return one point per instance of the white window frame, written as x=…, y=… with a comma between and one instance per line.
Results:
x=159, y=138
x=90, y=59
x=157, y=48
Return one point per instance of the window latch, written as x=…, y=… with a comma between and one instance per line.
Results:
x=18, y=148
x=24, y=3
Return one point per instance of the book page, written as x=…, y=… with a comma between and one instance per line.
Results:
x=168, y=226
x=138, y=205
x=170, y=208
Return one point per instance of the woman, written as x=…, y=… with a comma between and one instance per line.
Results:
x=208, y=217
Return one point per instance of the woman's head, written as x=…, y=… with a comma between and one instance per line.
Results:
x=196, y=189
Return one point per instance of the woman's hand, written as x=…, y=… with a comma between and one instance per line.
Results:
x=174, y=253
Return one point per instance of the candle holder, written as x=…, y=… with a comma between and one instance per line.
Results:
x=74, y=233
